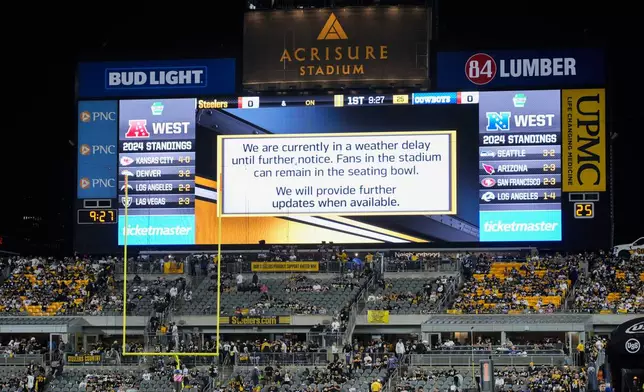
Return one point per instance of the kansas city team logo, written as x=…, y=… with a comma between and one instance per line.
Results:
x=480, y=69
x=137, y=130
x=498, y=121
x=126, y=161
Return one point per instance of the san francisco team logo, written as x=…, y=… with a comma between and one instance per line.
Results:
x=488, y=182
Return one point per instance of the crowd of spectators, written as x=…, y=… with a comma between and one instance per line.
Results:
x=254, y=352
x=39, y=286
x=530, y=378
x=613, y=285
x=536, y=285
x=33, y=378
x=276, y=294
x=399, y=294
x=334, y=377
x=23, y=346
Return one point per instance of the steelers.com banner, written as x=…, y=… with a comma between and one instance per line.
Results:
x=350, y=46
x=584, y=128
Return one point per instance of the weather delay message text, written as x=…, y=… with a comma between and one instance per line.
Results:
x=394, y=173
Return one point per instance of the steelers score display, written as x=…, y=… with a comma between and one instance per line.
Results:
x=384, y=173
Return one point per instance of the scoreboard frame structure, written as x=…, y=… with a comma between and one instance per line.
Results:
x=176, y=355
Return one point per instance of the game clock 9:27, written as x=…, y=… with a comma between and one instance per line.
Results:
x=97, y=216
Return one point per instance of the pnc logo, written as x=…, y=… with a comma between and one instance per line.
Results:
x=86, y=116
x=332, y=30
x=85, y=149
x=85, y=183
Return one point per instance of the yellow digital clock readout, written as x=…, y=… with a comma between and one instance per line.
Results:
x=585, y=210
x=97, y=216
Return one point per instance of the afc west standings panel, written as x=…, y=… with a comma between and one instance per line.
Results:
x=157, y=154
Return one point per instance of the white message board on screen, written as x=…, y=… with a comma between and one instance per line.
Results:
x=382, y=173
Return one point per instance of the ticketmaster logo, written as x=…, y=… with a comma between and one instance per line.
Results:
x=500, y=226
x=157, y=231
x=513, y=226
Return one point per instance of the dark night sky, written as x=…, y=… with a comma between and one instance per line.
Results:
x=39, y=81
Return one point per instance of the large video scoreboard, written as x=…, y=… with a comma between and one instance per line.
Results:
x=426, y=168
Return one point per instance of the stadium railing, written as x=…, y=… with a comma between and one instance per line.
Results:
x=422, y=265
x=282, y=359
x=474, y=360
x=326, y=339
x=21, y=359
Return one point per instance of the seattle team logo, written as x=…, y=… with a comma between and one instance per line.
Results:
x=480, y=69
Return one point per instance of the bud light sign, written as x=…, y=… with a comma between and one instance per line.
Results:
x=510, y=69
x=156, y=78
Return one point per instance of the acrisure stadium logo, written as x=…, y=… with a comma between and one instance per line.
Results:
x=343, y=59
x=632, y=346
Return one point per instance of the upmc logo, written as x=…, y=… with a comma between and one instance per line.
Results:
x=87, y=116
x=584, y=127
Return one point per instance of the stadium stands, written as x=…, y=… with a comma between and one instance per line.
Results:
x=529, y=378
x=296, y=294
x=495, y=287
x=515, y=287
x=419, y=295
x=335, y=376
x=613, y=285
x=46, y=287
